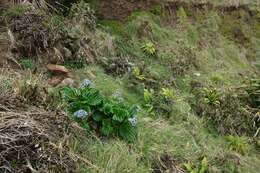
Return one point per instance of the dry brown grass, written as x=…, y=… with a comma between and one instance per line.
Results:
x=29, y=137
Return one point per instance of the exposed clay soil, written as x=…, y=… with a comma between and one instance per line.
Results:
x=121, y=9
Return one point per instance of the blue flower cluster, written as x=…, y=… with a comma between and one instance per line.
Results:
x=133, y=121
x=85, y=83
x=80, y=113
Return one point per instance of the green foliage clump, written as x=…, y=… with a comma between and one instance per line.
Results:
x=6, y=85
x=211, y=96
x=225, y=110
x=182, y=15
x=27, y=64
x=92, y=111
x=159, y=102
x=157, y=10
x=149, y=49
x=238, y=144
x=137, y=74
x=15, y=11
x=202, y=168
x=185, y=59
x=148, y=99
x=148, y=95
x=168, y=93
x=112, y=26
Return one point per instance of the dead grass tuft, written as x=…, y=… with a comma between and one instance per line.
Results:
x=32, y=139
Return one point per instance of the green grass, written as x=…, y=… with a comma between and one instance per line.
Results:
x=208, y=55
x=15, y=11
x=187, y=137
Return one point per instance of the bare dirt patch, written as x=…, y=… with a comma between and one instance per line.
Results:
x=121, y=9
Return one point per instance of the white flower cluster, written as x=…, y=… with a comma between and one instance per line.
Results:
x=85, y=83
x=133, y=121
x=80, y=113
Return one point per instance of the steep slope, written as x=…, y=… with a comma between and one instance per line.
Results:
x=191, y=67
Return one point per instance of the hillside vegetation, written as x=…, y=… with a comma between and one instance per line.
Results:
x=96, y=86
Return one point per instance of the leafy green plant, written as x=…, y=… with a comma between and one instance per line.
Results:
x=148, y=95
x=137, y=74
x=149, y=49
x=202, y=168
x=211, y=96
x=27, y=64
x=106, y=116
x=238, y=144
x=148, y=99
x=157, y=10
x=168, y=93
x=16, y=11
x=182, y=15
x=229, y=117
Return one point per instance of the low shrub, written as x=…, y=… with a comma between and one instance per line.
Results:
x=159, y=102
x=238, y=144
x=108, y=117
x=117, y=66
x=211, y=96
x=138, y=74
x=225, y=110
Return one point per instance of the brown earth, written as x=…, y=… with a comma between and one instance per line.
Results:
x=121, y=9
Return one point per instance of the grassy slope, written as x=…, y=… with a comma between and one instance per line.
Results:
x=220, y=62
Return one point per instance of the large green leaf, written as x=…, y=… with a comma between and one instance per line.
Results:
x=128, y=132
x=69, y=93
x=92, y=97
x=107, y=128
x=85, y=125
x=108, y=108
x=119, y=114
x=97, y=116
x=133, y=111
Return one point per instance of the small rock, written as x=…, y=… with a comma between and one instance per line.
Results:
x=67, y=53
x=58, y=55
x=58, y=69
x=67, y=82
x=55, y=80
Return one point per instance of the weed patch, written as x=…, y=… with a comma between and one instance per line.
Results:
x=226, y=111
